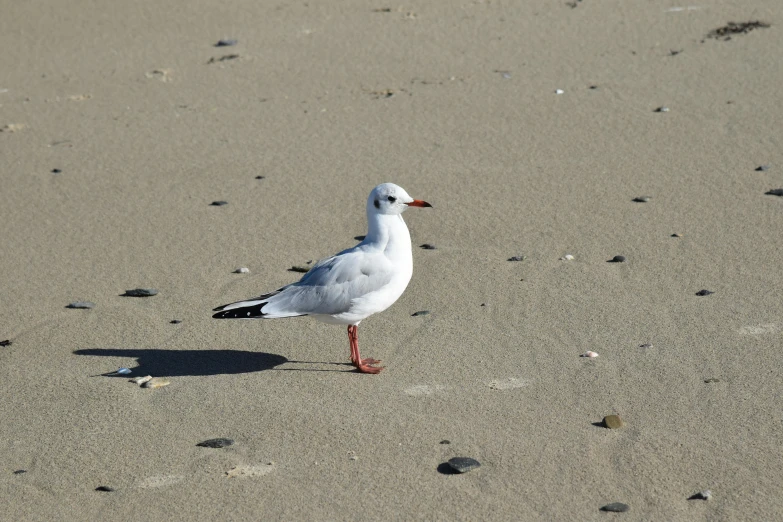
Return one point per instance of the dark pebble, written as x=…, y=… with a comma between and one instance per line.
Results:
x=762, y=168
x=216, y=443
x=701, y=495
x=20, y=471
x=57, y=171
x=617, y=259
x=260, y=177
x=420, y=312
x=774, y=192
x=86, y=305
x=646, y=345
x=140, y=292
x=226, y=43
x=711, y=380
x=661, y=109
x=616, y=507
x=219, y=203
x=223, y=58
x=175, y=321
x=104, y=488
x=445, y=441
x=641, y=199
x=427, y=246
x=517, y=258
x=7, y=342
x=593, y=87
x=359, y=238
x=299, y=268
x=704, y=292
x=463, y=464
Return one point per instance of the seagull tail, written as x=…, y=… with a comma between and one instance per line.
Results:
x=250, y=309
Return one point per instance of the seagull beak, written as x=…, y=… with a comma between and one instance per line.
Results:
x=418, y=203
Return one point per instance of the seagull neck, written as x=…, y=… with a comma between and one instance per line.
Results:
x=385, y=231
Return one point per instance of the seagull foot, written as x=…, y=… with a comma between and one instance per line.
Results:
x=366, y=366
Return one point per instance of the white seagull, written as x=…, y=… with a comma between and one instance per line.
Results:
x=352, y=285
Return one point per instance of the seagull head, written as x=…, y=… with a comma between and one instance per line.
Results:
x=388, y=198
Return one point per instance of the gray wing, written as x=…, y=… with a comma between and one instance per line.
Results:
x=327, y=289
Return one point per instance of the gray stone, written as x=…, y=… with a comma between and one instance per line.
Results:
x=616, y=507
x=463, y=464
x=82, y=305
x=140, y=292
x=216, y=443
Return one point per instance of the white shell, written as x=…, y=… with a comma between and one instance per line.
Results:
x=242, y=270
x=141, y=380
x=156, y=382
x=591, y=355
x=567, y=257
x=559, y=91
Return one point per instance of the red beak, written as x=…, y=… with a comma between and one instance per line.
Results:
x=418, y=203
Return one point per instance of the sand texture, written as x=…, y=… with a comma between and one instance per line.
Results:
x=121, y=122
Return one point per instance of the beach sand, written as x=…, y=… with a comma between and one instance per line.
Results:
x=148, y=123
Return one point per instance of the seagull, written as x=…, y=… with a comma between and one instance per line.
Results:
x=352, y=285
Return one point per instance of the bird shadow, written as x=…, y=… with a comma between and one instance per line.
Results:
x=178, y=363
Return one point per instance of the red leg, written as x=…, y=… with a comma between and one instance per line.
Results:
x=363, y=365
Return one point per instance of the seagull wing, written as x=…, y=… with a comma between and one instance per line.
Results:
x=329, y=288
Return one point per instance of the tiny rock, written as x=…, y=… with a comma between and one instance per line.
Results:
x=156, y=382
x=591, y=355
x=140, y=292
x=702, y=293
x=567, y=257
x=6, y=342
x=81, y=305
x=774, y=192
x=104, y=488
x=141, y=380
x=242, y=270
x=616, y=507
x=420, y=313
x=641, y=199
x=219, y=203
x=613, y=422
x=463, y=464
x=617, y=259
x=427, y=246
x=662, y=109
x=516, y=258
x=216, y=443
x=701, y=495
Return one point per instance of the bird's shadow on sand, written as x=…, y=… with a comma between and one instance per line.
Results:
x=177, y=363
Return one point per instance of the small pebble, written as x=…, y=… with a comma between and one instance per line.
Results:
x=140, y=292
x=242, y=270
x=559, y=91
x=762, y=168
x=216, y=443
x=774, y=192
x=593, y=87
x=641, y=199
x=591, y=355
x=20, y=471
x=156, y=382
x=81, y=305
x=299, y=268
x=676, y=234
x=420, y=312
x=517, y=258
x=646, y=345
x=226, y=42
x=616, y=507
x=701, y=495
x=7, y=342
x=427, y=246
x=56, y=171
x=463, y=464
x=260, y=177
x=354, y=457
x=219, y=203
x=617, y=259
x=104, y=488
x=175, y=321
x=711, y=380
x=613, y=422
x=141, y=380
x=662, y=109
x=445, y=441
x=704, y=292
x=567, y=257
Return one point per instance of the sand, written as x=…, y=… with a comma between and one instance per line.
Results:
x=457, y=103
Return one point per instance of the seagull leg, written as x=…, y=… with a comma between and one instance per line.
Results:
x=363, y=365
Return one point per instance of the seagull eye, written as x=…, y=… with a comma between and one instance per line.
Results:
x=392, y=199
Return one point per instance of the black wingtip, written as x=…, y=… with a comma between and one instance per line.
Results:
x=246, y=312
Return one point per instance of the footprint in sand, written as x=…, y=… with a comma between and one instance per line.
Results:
x=250, y=470
x=160, y=481
x=509, y=383
x=423, y=389
x=760, y=329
